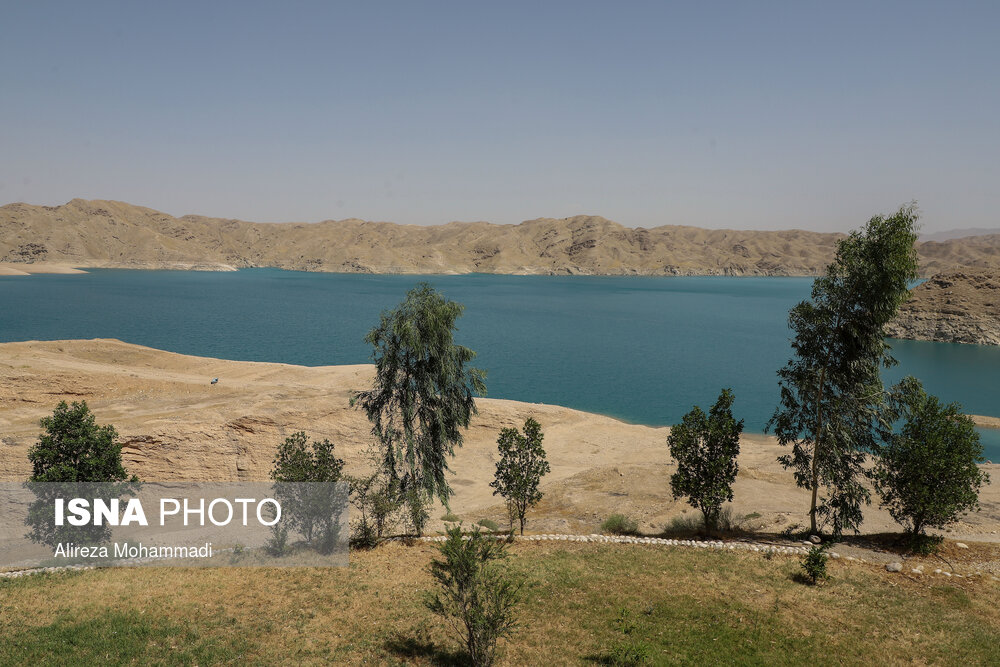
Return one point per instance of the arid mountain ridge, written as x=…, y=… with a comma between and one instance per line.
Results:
x=114, y=234
x=953, y=308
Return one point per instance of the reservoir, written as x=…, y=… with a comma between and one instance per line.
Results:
x=642, y=349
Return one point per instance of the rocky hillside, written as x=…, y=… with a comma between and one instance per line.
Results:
x=115, y=234
x=952, y=307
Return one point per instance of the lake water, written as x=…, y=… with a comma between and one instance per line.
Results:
x=640, y=349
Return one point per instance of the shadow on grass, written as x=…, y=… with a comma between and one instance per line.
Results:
x=410, y=648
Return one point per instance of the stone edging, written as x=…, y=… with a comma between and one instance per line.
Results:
x=755, y=547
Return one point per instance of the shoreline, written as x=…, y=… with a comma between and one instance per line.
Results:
x=31, y=268
x=175, y=425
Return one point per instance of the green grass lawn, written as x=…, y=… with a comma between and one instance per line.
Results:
x=582, y=604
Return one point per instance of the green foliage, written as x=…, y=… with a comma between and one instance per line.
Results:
x=832, y=397
x=814, y=564
x=927, y=474
x=619, y=524
x=417, y=510
x=314, y=508
x=423, y=390
x=476, y=598
x=75, y=449
x=705, y=448
x=520, y=469
x=450, y=517
x=378, y=500
x=629, y=650
x=489, y=525
x=277, y=544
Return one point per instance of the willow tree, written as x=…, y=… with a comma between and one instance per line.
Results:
x=422, y=395
x=832, y=398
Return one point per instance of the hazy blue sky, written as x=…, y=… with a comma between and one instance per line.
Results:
x=743, y=114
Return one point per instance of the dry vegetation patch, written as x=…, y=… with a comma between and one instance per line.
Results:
x=581, y=603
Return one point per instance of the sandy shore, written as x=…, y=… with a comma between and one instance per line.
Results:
x=175, y=425
x=986, y=422
x=25, y=269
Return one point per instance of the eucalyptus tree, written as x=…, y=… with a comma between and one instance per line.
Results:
x=832, y=398
x=422, y=395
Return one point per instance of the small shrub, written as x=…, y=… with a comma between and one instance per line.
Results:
x=450, y=517
x=489, y=525
x=363, y=536
x=922, y=544
x=619, y=524
x=476, y=598
x=685, y=524
x=278, y=544
x=729, y=521
x=814, y=564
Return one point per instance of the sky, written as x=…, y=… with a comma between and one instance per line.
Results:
x=749, y=115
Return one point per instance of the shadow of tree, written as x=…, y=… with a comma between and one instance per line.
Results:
x=411, y=647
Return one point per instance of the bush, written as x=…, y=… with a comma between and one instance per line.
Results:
x=685, y=524
x=305, y=475
x=378, y=501
x=814, y=564
x=277, y=545
x=927, y=474
x=619, y=524
x=726, y=521
x=476, y=598
x=489, y=525
x=450, y=517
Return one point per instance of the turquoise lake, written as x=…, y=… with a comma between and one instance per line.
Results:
x=640, y=349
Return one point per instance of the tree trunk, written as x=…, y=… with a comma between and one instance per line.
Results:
x=816, y=445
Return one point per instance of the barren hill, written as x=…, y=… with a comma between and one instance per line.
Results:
x=953, y=308
x=115, y=234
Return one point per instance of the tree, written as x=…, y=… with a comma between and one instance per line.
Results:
x=75, y=449
x=520, y=469
x=476, y=599
x=305, y=478
x=422, y=395
x=705, y=448
x=927, y=474
x=832, y=397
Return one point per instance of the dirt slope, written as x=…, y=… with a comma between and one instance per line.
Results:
x=953, y=308
x=177, y=426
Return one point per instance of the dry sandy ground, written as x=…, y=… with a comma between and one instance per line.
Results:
x=26, y=269
x=178, y=426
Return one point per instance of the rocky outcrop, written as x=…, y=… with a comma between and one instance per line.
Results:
x=952, y=308
x=115, y=234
